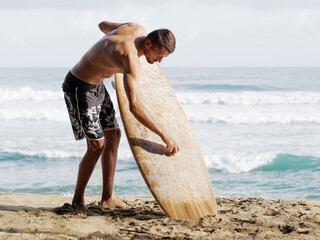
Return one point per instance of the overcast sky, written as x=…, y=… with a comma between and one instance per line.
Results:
x=216, y=33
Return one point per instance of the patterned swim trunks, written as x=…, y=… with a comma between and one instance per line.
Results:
x=90, y=108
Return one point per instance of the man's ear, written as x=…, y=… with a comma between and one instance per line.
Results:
x=148, y=44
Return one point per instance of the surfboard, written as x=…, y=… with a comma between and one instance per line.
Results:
x=180, y=183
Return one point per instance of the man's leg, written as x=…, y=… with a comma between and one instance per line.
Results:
x=108, y=162
x=86, y=167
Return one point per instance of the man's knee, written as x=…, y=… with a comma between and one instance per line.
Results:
x=95, y=145
x=117, y=133
x=113, y=134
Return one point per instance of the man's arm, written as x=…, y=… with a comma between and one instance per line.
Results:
x=141, y=113
x=106, y=27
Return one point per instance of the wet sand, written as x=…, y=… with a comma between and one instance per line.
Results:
x=29, y=216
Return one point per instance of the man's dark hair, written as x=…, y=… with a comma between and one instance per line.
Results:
x=163, y=38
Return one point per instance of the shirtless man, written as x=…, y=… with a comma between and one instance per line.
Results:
x=91, y=110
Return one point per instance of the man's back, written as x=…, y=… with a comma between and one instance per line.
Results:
x=105, y=57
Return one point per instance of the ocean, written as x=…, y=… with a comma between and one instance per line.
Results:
x=258, y=130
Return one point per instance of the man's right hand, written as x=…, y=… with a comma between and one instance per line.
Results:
x=171, y=145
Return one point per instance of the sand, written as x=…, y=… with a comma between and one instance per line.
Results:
x=28, y=216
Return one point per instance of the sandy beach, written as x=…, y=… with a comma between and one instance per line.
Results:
x=29, y=216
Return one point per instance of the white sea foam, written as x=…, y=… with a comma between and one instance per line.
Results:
x=26, y=93
x=255, y=117
x=225, y=116
x=46, y=153
x=240, y=162
x=124, y=156
x=55, y=115
x=248, y=98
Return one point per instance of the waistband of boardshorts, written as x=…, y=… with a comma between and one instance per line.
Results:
x=71, y=82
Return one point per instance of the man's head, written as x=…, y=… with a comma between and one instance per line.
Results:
x=159, y=44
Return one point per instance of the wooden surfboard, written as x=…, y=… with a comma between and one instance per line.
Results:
x=179, y=183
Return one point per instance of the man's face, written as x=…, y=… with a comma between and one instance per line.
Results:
x=154, y=53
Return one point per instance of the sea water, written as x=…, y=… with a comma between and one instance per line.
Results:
x=258, y=130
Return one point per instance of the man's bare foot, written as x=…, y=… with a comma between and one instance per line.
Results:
x=80, y=207
x=114, y=202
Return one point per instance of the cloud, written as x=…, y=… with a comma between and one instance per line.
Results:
x=264, y=4
x=208, y=33
x=77, y=4
x=108, y=4
x=55, y=4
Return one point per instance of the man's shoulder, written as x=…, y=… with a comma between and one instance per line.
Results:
x=134, y=25
x=123, y=47
x=131, y=29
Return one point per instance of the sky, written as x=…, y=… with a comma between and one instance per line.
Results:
x=209, y=33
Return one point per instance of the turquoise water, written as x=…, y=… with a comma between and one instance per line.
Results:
x=285, y=176
x=258, y=130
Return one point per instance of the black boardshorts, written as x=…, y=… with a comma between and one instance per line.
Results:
x=90, y=108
